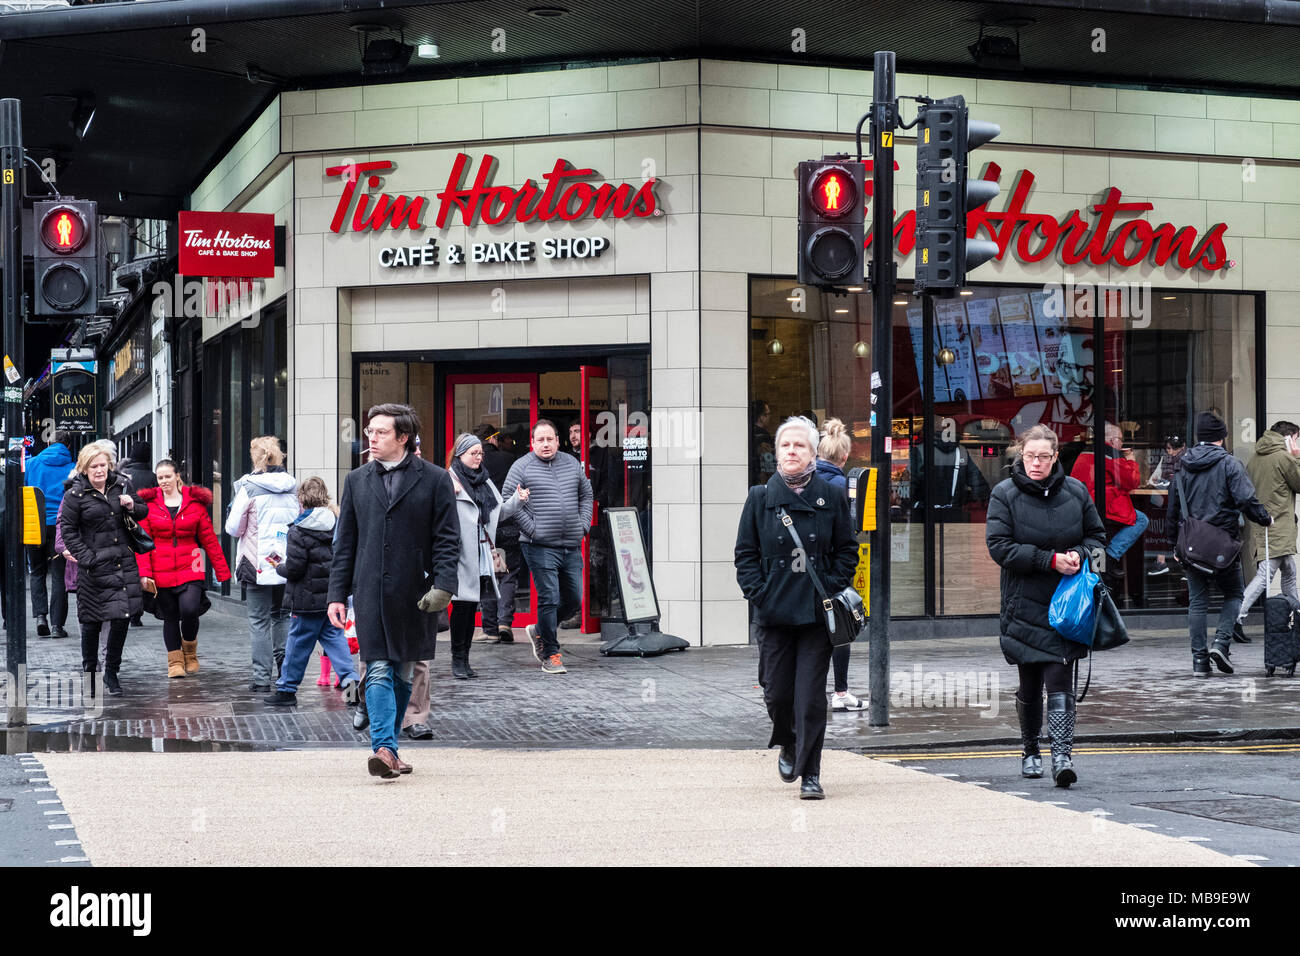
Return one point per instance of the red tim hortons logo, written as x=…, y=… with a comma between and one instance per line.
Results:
x=566, y=196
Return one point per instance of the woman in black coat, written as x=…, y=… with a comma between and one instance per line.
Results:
x=795, y=652
x=108, y=579
x=1042, y=525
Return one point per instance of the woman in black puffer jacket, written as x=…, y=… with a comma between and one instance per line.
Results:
x=108, y=579
x=1041, y=525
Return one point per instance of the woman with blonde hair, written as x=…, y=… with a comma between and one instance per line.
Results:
x=832, y=456
x=260, y=514
x=93, y=528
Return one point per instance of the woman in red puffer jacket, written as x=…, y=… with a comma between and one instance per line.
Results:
x=181, y=528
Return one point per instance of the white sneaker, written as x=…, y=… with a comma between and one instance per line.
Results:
x=847, y=701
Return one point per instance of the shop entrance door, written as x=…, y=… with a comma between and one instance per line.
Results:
x=508, y=402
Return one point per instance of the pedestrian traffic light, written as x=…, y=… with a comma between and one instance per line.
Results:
x=945, y=134
x=66, y=258
x=832, y=213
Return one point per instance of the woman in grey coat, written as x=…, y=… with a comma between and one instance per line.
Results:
x=478, y=506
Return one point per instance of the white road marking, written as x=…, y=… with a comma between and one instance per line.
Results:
x=59, y=826
x=1194, y=839
x=67, y=843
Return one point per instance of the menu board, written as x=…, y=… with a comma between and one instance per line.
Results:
x=1051, y=333
x=953, y=333
x=914, y=320
x=635, y=586
x=986, y=337
x=1023, y=356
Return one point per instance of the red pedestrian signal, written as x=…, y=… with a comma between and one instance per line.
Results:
x=63, y=229
x=832, y=221
x=833, y=193
x=66, y=259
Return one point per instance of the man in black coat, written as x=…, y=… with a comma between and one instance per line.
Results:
x=398, y=538
x=1216, y=489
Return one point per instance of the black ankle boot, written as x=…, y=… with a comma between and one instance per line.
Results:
x=460, y=668
x=1060, y=724
x=111, y=685
x=1031, y=726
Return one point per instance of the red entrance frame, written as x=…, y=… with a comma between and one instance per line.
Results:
x=449, y=411
x=590, y=622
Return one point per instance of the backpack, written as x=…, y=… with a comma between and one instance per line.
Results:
x=1201, y=545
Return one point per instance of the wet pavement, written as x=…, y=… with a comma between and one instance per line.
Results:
x=944, y=692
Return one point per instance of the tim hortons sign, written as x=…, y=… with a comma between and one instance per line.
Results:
x=1112, y=235
x=566, y=196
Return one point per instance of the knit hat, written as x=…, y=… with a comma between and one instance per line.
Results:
x=1210, y=427
x=465, y=441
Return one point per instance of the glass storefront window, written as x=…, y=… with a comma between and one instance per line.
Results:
x=1003, y=359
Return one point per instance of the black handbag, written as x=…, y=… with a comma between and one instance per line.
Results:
x=1201, y=545
x=845, y=616
x=137, y=539
x=1108, y=633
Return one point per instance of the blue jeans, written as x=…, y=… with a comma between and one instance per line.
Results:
x=304, y=631
x=1229, y=582
x=388, y=691
x=1125, y=539
x=557, y=575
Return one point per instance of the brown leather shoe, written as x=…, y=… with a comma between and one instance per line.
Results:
x=402, y=766
x=384, y=763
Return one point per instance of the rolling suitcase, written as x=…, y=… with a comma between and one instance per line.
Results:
x=1281, y=628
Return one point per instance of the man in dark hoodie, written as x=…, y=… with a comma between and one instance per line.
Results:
x=1215, y=488
x=138, y=468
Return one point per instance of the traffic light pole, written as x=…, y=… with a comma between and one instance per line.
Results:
x=11, y=260
x=884, y=121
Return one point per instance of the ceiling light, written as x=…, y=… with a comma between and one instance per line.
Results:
x=775, y=347
x=547, y=12
x=967, y=292
x=861, y=349
x=854, y=288
x=428, y=51
x=841, y=311
x=946, y=356
x=900, y=302
x=1168, y=298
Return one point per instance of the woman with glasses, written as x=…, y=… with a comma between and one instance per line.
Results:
x=1042, y=526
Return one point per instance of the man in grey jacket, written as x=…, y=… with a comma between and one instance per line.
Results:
x=553, y=519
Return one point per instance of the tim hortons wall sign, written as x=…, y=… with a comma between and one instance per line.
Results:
x=565, y=197
x=1111, y=236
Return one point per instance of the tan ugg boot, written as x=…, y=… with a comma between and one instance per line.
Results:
x=175, y=664
x=191, y=651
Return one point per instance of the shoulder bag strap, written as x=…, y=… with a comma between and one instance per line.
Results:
x=798, y=543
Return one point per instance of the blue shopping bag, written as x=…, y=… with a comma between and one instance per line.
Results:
x=1074, y=606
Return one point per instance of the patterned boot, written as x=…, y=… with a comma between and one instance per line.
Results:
x=1060, y=724
x=1031, y=725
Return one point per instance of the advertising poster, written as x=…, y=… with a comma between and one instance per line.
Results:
x=634, y=583
x=914, y=325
